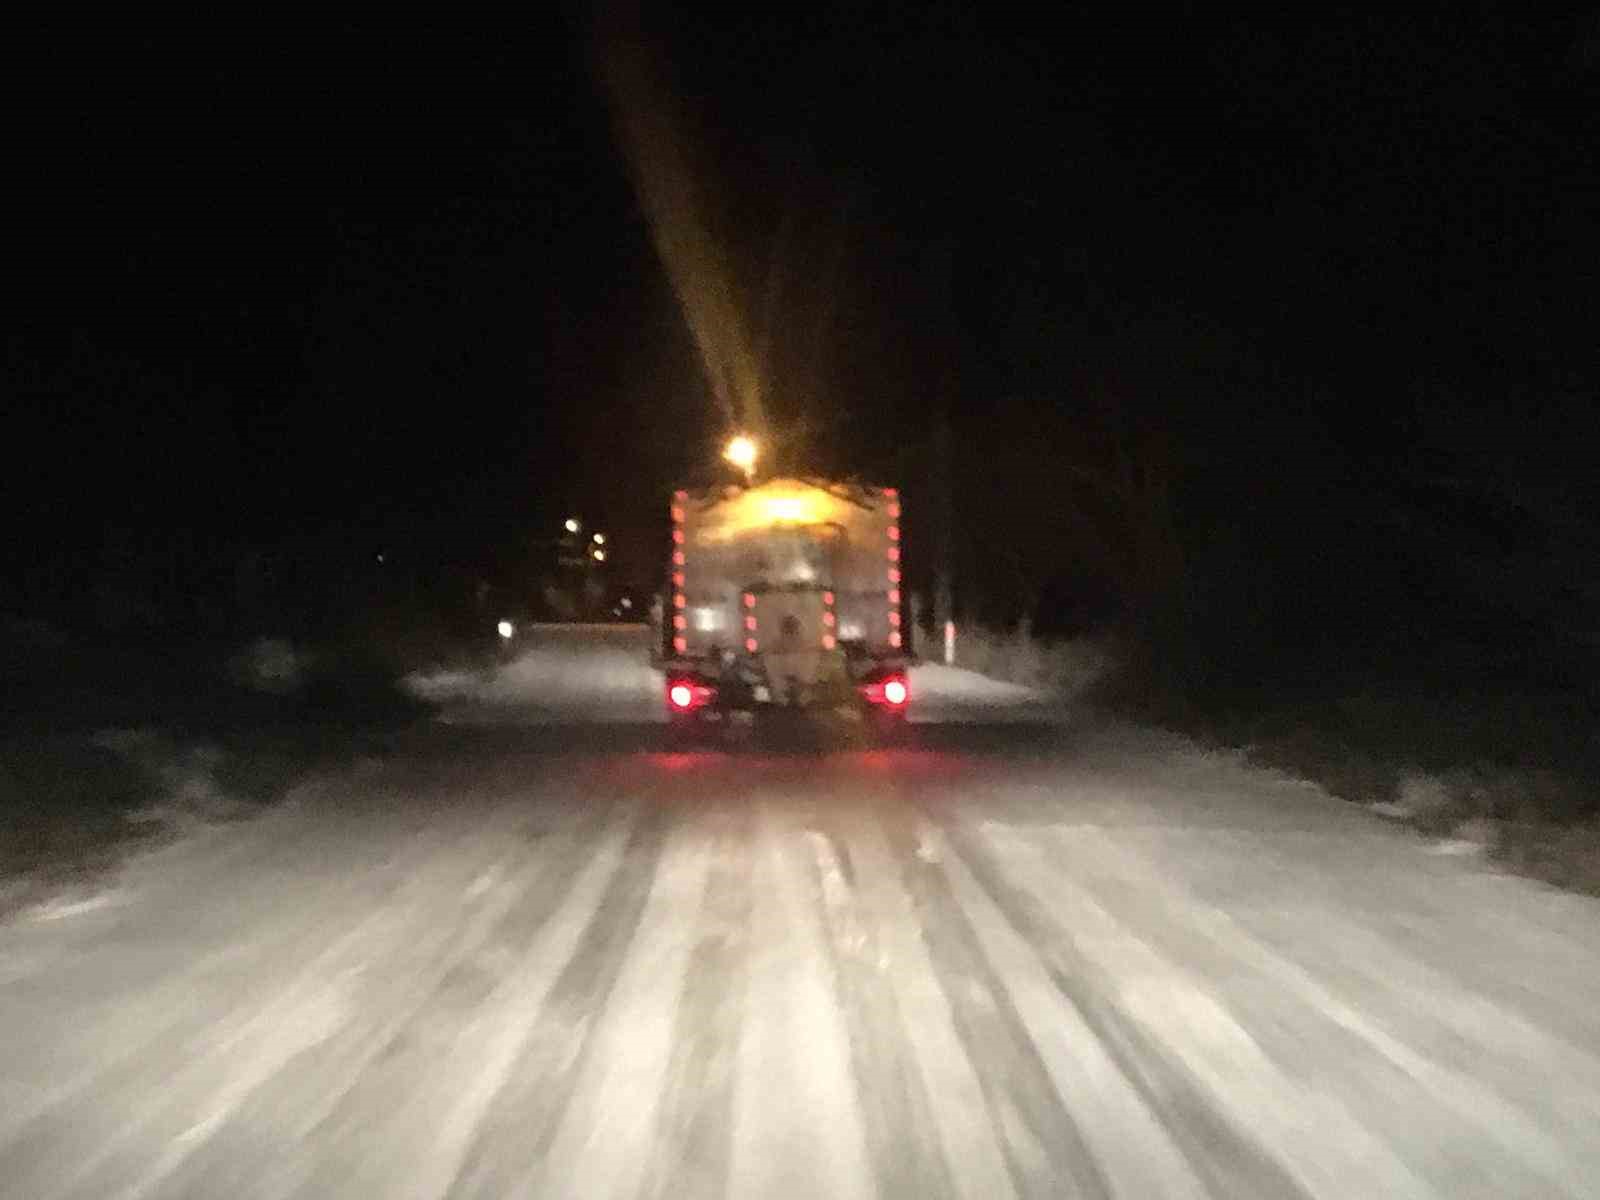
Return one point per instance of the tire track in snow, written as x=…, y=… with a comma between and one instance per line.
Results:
x=694, y=1130
x=1233, y=1163
x=129, y=1029
x=344, y=1093
x=448, y=1110
x=1404, y=1086
x=1045, y=1151
x=1182, y=1032
x=515, y=1133
x=1136, y=1153
x=971, y=1141
x=897, y=1112
x=605, y=1137
x=123, y=1125
x=798, y=1130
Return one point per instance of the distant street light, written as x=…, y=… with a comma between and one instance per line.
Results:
x=599, y=556
x=572, y=525
x=599, y=539
x=742, y=453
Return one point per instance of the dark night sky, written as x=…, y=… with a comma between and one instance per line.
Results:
x=279, y=280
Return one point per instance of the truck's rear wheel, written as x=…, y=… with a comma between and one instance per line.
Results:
x=685, y=733
x=886, y=728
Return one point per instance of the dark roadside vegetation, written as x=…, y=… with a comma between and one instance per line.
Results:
x=110, y=743
x=1468, y=750
x=1379, y=574
x=162, y=682
x=1496, y=756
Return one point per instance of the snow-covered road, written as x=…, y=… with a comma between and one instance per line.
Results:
x=1020, y=955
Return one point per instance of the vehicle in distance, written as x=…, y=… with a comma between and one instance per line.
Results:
x=785, y=598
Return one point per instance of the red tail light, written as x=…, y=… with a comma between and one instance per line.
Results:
x=685, y=695
x=892, y=692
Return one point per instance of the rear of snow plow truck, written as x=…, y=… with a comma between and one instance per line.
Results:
x=784, y=602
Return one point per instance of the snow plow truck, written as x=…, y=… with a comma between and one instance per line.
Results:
x=784, y=598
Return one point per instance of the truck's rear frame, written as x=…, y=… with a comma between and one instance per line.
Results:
x=701, y=695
